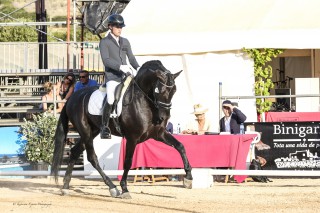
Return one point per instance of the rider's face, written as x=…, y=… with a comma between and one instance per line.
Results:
x=116, y=30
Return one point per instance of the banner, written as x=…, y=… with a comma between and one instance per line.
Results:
x=289, y=145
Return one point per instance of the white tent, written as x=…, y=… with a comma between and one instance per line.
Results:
x=188, y=26
x=205, y=38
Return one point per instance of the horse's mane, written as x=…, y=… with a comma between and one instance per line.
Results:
x=151, y=66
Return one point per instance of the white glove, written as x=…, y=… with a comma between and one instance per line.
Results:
x=125, y=68
x=134, y=72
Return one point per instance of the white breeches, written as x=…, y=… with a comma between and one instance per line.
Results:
x=111, y=87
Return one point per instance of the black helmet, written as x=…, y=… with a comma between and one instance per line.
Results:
x=116, y=19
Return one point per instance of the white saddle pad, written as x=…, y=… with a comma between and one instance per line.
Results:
x=96, y=102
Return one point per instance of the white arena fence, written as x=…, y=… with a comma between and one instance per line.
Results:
x=23, y=57
x=277, y=173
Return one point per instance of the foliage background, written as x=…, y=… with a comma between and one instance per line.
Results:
x=263, y=74
x=56, y=11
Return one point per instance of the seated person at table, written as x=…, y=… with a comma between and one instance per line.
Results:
x=201, y=124
x=232, y=119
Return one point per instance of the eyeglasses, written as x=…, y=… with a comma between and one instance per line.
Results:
x=82, y=76
x=69, y=79
x=225, y=107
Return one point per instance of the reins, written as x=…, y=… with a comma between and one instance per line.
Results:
x=155, y=102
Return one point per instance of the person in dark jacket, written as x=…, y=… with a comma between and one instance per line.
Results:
x=232, y=119
x=114, y=51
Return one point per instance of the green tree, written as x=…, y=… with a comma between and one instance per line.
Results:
x=18, y=34
x=7, y=7
x=30, y=34
x=263, y=74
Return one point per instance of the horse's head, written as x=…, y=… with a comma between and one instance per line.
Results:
x=164, y=88
x=158, y=84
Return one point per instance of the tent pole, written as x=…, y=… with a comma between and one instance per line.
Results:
x=220, y=96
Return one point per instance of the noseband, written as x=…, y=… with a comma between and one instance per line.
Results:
x=159, y=104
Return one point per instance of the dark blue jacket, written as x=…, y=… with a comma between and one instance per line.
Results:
x=237, y=118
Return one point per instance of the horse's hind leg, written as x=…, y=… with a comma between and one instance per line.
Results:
x=92, y=158
x=75, y=153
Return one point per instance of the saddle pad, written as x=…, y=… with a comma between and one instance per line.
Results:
x=95, y=102
x=97, y=97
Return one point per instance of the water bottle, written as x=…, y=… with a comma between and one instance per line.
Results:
x=241, y=128
x=178, y=128
x=293, y=107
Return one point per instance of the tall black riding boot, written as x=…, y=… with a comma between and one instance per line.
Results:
x=105, y=131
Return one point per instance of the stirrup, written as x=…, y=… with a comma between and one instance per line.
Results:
x=105, y=133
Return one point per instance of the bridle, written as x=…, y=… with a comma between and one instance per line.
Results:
x=158, y=104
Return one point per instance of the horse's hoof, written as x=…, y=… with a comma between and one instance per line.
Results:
x=65, y=192
x=114, y=192
x=187, y=183
x=125, y=195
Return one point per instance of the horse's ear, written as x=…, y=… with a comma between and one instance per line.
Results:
x=176, y=74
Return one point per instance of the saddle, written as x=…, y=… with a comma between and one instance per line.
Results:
x=118, y=94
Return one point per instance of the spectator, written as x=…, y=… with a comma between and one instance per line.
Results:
x=232, y=119
x=49, y=97
x=201, y=124
x=66, y=86
x=84, y=81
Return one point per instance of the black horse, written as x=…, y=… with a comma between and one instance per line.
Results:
x=145, y=112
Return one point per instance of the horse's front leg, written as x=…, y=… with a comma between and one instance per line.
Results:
x=130, y=146
x=171, y=141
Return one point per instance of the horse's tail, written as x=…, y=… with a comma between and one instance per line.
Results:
x=59, y=142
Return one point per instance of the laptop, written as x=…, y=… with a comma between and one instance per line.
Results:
x=212, y=133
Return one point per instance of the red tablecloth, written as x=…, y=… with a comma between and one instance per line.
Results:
x=203, y=151
x=292, y=116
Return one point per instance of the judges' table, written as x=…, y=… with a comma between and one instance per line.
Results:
x=203, y=151
x=292, y=116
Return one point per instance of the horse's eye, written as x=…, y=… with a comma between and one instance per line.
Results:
x=156, y=90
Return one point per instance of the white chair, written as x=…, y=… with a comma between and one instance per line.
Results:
x=252, y=154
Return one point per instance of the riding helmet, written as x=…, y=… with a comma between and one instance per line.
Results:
x=116, y=19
